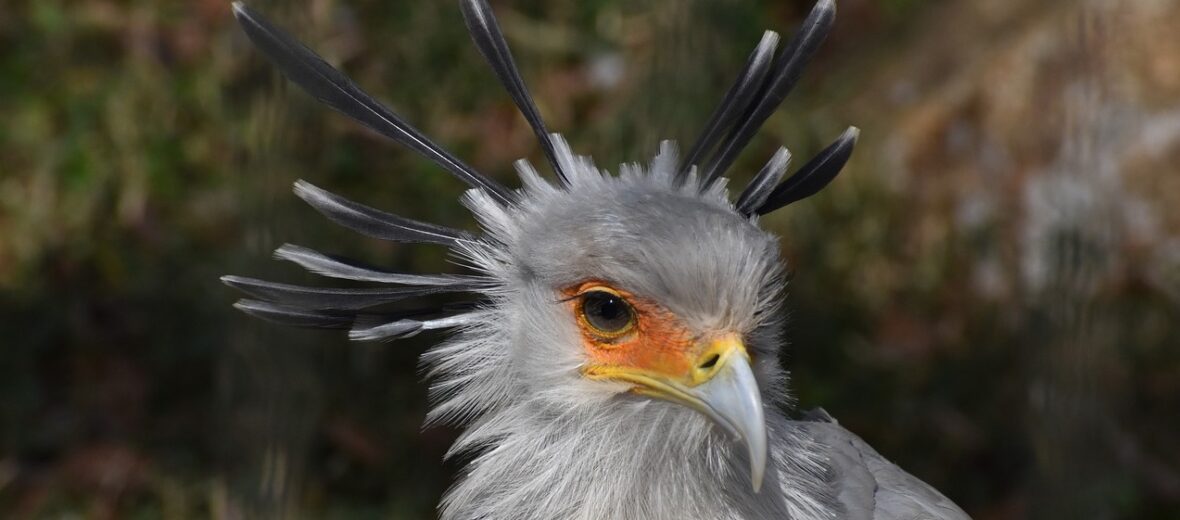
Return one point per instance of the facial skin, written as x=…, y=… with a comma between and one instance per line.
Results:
x=633, y=340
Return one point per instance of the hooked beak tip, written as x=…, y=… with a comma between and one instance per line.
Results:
x=732, y=399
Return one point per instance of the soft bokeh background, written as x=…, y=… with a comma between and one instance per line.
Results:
x=990, y=293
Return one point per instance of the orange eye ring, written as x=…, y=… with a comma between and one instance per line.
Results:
x=605, y=313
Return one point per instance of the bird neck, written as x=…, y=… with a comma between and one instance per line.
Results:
x=637, y=459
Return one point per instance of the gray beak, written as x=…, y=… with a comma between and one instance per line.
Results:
x=731, y=398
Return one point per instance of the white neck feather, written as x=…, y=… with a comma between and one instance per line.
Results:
x=629, y=457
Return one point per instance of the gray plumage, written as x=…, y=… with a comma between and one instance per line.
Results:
x=552, y=446
x=553, y=427
x=870, y=487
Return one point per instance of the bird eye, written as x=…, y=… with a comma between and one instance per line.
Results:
x=606, y=313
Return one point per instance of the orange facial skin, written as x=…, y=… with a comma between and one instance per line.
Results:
x=657, y=343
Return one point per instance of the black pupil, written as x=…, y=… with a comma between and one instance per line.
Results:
x=605, y=311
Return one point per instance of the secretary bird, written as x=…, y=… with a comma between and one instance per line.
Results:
x=618, y=352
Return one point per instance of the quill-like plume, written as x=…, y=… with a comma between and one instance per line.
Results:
x=364, y=327
x=333, y=267
x=764, y=183
x=407, y=327
x=735, y=103
x=325, y=298
x=374, y=222
x=333, y=88
x=295, y=316
x=814, y=175
x=787, y=69
x=489, y=39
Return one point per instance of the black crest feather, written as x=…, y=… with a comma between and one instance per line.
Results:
x=294, y=316
x=787, y=69
x=322, y=298
x=335, y=267
x=308, y=70
x=736, y=102
x=814, y=175
x=374, y=222
x=489, y=39
x=757, y=92
x=764, y=183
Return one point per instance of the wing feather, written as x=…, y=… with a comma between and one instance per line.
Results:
x=869, y=486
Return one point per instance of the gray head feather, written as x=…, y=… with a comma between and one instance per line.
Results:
x=548, y=442
x=551, y=444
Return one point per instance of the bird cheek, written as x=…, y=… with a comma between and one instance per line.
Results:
x=642, y=358
x=666, y=356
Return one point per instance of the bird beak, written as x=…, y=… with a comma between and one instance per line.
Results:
x=720, y=384
x=731, y=398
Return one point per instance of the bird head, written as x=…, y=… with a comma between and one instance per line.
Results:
x=636, y=287
x=592, y=299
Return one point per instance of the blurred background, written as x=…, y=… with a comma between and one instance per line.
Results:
x=989, y=294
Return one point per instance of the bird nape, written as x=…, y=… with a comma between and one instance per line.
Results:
x=618, y=352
